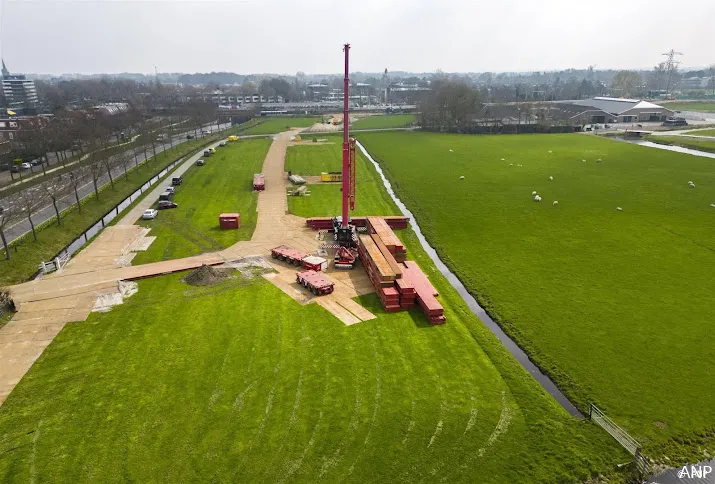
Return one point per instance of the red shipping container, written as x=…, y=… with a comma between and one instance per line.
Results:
x=229, y=220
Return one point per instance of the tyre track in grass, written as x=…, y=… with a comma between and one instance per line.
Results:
x=332, y=462
x=296, y=403
x=291, y=467
x=269, y=399
x=378, y=394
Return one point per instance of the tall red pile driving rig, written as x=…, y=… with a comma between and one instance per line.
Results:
x=345, y=233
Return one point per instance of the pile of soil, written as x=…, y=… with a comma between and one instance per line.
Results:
x=206, y=275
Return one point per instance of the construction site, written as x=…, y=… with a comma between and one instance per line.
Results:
x=302, y=330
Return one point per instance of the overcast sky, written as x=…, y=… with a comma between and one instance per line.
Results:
x=281, y=36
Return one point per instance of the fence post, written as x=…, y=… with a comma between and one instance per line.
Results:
x=590, y=411
x=57, y=264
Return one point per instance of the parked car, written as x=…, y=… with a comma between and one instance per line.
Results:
x=222, y=143
x=189, y=136
x=36, y=162
x=207, y=153
x=171, y=189
x=15, y=169
x=164, y=204
x=204, y=132
x=177, y=180
x=200, y=162
x=167, y=195
x=150, y=214
x=26, y=166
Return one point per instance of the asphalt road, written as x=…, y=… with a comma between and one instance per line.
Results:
x=47, y=212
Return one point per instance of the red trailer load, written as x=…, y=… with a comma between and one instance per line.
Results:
x=229, y=220
x=315, y=282
x=425, y=292
x=259, y=182
x=289, y=255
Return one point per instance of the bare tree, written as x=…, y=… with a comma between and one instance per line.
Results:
x=94, y=170
x=29, y=201
x=108, y=163
x=124, y=159
x=55, y=188
x=9, y=214
x=77, y=179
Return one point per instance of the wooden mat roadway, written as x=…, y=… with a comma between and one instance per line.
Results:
x=47, y=304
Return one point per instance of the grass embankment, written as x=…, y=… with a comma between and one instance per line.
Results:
x=224, y=184
x=26, y=253
x=371, y=198
x=703, y=107
x=701, y=132
x=277, y=124
x=685, y=142
x=384, y=121
x=613, y=304
x=244, y=384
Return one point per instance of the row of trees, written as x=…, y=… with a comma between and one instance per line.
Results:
x=92, y=135
x=451, y=105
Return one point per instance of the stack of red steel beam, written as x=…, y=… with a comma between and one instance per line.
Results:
x=407, y=292
x=390, y=298
x=425, y=292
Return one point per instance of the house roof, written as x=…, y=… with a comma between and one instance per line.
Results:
x=616, y=105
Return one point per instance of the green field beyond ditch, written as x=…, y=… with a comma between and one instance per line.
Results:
x=237, y=382
x=703, y=107
x=616, y=305
x=223, y=184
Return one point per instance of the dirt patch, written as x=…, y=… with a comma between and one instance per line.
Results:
x=206, y=275
x=661, y=425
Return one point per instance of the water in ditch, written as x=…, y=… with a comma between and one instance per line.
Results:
x=508, y=343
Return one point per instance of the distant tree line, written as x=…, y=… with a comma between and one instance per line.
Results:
x=451, y=105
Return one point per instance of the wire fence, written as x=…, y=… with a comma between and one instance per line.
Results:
x=621, y=436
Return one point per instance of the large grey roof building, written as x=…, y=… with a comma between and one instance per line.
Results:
x=626, y=110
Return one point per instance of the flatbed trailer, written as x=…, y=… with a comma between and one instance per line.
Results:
x=315, y=282
x=288, y=254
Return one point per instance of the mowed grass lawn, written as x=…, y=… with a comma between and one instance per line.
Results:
x=325, y=199
x=704, y=107
x=223, y=184
x=616, y=305
x=277, y=124
x=237, y=382
x=384, y=121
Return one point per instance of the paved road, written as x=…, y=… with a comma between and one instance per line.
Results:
x=47, y=212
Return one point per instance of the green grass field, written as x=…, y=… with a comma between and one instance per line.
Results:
x=277, y=124
x=27, y=253
x=224, y=184
x=702, y=132
x=704, y=107
x=615, y=305
x=238, y=382
x=312, y=160
x=685, y=142
x=384, y=121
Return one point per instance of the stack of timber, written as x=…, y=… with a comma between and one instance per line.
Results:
x=326, y=223
x=398, y=285
x=380, y=229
